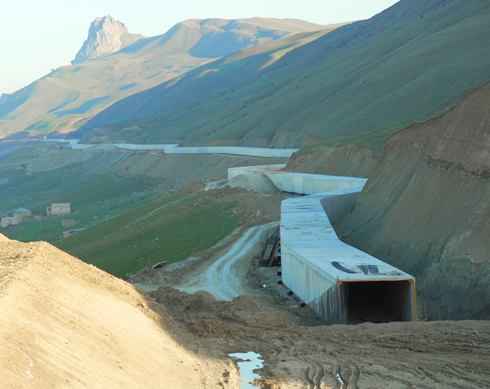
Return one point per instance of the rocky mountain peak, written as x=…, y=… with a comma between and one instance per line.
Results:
x=106, y=35
x=4, y=97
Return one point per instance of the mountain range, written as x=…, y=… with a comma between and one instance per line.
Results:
x=67, y=97
x=356, y=84
x=264, y=82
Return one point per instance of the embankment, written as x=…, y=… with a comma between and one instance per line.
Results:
x=66, y=324
x=426, y=209
x=345, y=160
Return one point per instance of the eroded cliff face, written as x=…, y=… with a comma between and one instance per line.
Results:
x=106, y=35
x=426, y=209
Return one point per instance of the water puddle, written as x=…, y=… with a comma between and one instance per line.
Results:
x=248, y=363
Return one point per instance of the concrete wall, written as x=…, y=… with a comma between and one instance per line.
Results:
x=235, y=150
x=128, y=146
x=320, y=268
x=175, y=149
x=69, y=141
x=300, y=183
x=340, y=283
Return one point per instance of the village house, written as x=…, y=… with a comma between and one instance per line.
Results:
x=58, y=209
x=21, y=212
x=10, y=221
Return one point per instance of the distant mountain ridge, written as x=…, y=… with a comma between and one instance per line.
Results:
x=357, y=84
x=69, y=96
x=105, y=36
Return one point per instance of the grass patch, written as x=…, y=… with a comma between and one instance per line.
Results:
x=166, y=229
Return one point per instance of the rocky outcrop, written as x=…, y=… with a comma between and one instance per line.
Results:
x=4, y=97
x=105, y=36
x=426, y=209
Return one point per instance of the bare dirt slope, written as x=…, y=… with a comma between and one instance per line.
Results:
x=426, y=209
x=348, y=160
x=64, y=323
x=394, y=355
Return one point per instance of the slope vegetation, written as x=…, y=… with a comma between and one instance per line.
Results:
x=357, y=84
x=426, y=209
x=68, y=96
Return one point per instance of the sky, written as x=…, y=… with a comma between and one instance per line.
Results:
x=37, y=36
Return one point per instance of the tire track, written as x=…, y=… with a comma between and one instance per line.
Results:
x=219, y=279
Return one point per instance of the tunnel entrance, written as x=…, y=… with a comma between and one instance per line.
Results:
x=379, y=301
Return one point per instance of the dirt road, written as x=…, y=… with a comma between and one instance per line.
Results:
x=222, y=275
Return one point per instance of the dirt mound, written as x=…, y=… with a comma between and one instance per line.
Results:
x=254, y=183
x=193, y=187
x=345, y=160
x=183, y=302
x=149, y=275
x=251, y=209
x=461, y=135
x=68, y=324
x=214, y=329
x=246, y=310
x=251, y=311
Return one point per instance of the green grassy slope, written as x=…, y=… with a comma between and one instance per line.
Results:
x=357, y=84
x=67, y=97
x=166, y=229
x=206, y=79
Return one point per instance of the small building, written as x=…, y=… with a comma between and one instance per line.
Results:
x=21, y=212
x=58, y=209
x=10, y=221
x=68, y=223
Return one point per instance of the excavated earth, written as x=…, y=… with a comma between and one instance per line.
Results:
x=66, y=324
x=426, y=209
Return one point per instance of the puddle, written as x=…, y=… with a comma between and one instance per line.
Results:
x=249, y=362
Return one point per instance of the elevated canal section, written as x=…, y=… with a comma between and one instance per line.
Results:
x=339, y=282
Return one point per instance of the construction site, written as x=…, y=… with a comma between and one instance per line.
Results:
x=269, y=287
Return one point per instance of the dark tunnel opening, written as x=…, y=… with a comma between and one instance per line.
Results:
x=379, y=301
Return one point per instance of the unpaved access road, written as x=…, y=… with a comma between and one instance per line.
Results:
x=391, y=355
x=222, y=275
x=226, y=273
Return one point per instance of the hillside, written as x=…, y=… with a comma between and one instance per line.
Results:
x=67, y=324
x=357, y=84
x=69, y=96
x=426, y=209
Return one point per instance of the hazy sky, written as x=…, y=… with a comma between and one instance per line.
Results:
x=37, y=36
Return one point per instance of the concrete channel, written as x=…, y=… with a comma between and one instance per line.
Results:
x=339, y=282
x=175, y=149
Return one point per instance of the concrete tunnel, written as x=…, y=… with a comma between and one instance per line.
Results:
x=342, y=284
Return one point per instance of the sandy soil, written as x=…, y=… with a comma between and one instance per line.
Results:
x=395, y=355
x=65, y=324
